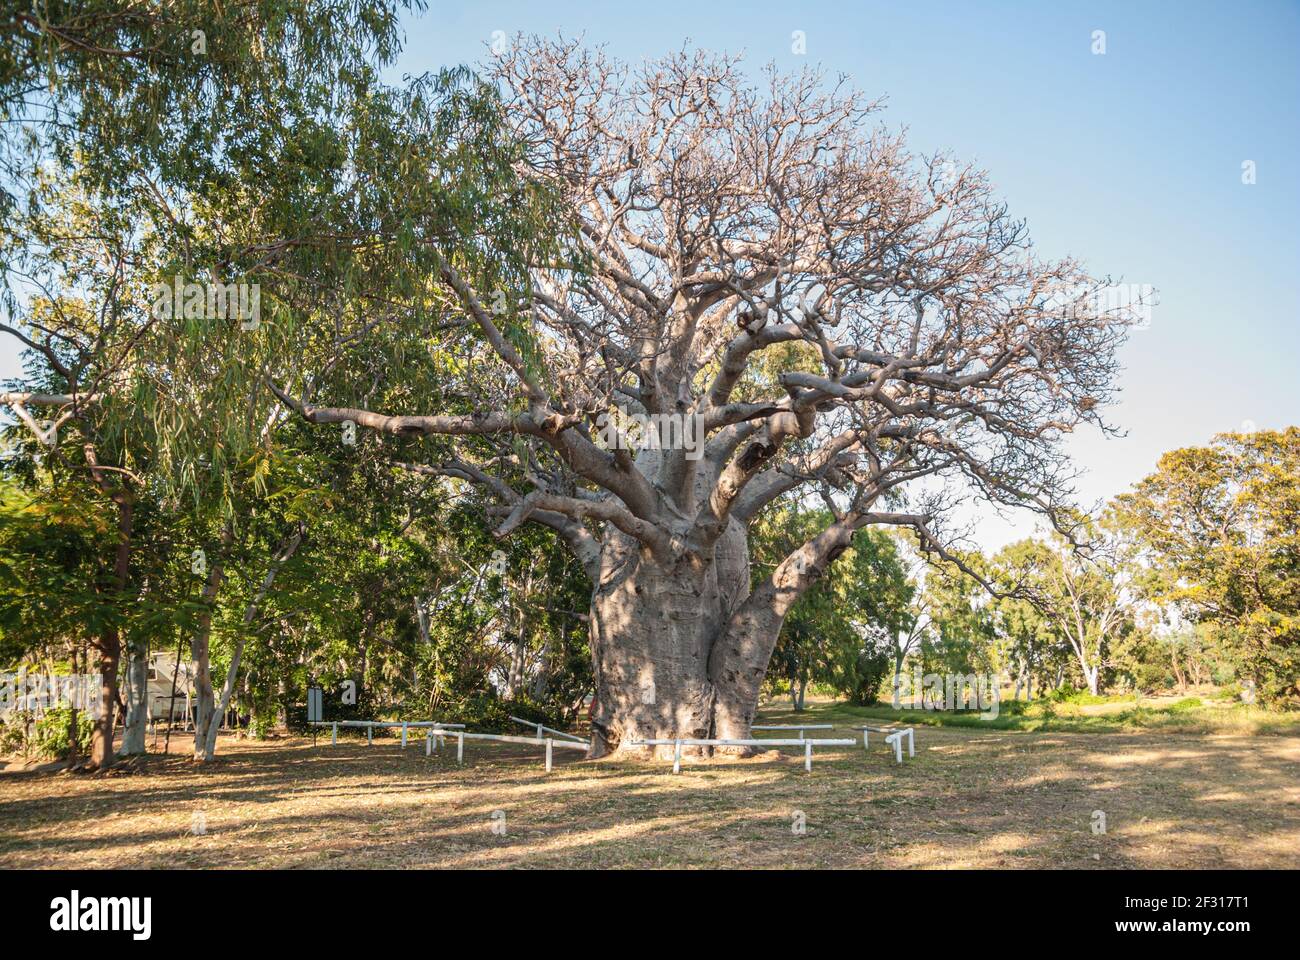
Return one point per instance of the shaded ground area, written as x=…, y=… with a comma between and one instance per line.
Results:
x=971, y=798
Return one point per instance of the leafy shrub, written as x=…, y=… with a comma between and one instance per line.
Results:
x=1014, y=708
x=1189, y=703
x=262, y=724
x=13, y=734
x=1079, y=696
x=50, y=738
x=489, y=714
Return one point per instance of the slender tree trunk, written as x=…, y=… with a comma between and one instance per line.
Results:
x=74, y=741
x=1178, y=670
x=898, y=679
x=137, y=700
x=215, y=717
x=201, y=654
x=109, y=644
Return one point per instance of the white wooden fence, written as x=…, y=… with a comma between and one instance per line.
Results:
x=38, y=692
x=437, y=731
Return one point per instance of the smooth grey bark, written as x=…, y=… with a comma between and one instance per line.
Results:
x=137, y=701
x=799, y=690
x=200, y=653
x=208, y=730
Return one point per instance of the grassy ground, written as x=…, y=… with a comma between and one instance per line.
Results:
x=971, y=798
x=1204, y=712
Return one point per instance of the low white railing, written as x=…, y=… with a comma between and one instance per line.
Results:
x=801, y=727
x=371, y=724
x=431, y=738
x=894, y=738
x=679, y=742
x=542, y=729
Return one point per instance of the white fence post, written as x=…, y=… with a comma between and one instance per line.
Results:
x=334, y=740
x=460, y=748
x=548, y=754
x=807, y=754
x=896, y=740
x=677, y=757
x=370, y=735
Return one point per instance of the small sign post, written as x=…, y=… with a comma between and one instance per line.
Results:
x=315, y=709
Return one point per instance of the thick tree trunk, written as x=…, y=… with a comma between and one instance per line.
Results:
x=655, y=633
x=1091, y=676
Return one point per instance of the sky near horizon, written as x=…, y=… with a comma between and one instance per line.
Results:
x=1130, y=160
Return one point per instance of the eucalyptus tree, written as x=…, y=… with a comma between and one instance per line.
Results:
x=1086, y=596
x=1220, y=524
x=146, y=143
x=713, y=220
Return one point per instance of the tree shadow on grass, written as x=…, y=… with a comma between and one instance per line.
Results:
x=969, y=799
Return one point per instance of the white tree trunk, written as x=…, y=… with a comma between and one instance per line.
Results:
x=205, y=732
x=137, y=701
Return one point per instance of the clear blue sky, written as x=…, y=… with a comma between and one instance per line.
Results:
x=1129, y=160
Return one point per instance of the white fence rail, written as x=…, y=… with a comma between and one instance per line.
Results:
x=801, y=727
x=461, y=736
x=541, y=729
x=371, y=724
x=678, y=743
x=893, y=737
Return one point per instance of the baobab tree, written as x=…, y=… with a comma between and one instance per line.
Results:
x=769, y=264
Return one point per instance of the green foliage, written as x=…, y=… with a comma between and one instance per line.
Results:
x=1221, y=525
x=840, y=632
x=50, y=736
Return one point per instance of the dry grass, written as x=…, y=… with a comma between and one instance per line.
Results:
x=970, y=799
